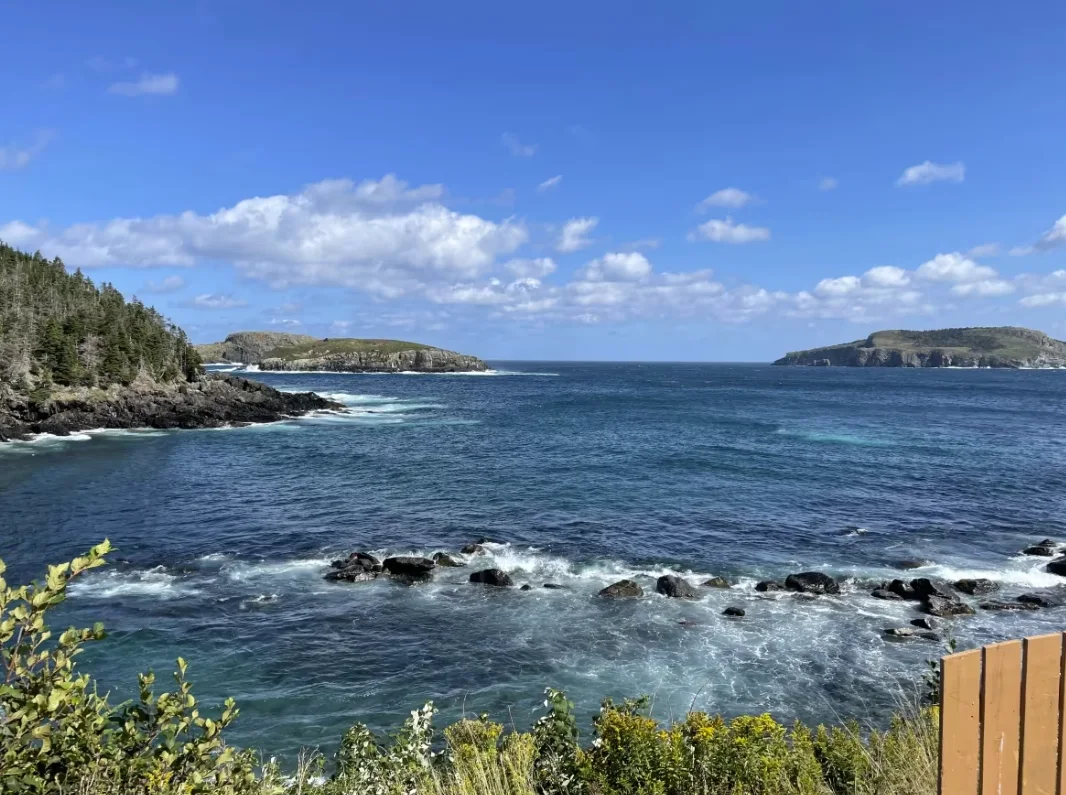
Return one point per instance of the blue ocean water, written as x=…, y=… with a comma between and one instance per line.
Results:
x=587, y=473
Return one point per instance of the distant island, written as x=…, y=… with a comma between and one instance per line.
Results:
x=75, y=356
x=1000, y=347
x=293, y=352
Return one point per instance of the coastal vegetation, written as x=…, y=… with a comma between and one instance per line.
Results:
x=58, y=734
x=1001, y=346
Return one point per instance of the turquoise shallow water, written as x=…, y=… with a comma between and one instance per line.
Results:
x=588, y=473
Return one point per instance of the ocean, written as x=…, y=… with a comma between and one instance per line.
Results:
x=584, y=474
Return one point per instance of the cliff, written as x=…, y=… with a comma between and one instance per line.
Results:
x=248, y=347
x=999, y=347
x=370, y=356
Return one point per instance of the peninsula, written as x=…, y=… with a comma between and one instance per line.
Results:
x=1008, y=347
x=295, y=352
x=74, y=356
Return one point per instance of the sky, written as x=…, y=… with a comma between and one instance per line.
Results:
x=692, y=181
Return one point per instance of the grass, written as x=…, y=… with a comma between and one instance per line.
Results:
x=320, y=348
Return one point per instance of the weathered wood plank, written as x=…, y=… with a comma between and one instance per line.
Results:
x=960, y=738
x=1041, y=696
x=1001, y=707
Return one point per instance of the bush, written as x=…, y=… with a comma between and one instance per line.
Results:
x=58, y=735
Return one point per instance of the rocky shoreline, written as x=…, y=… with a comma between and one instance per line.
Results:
x=423, y=360
x=213, y=401
x=936, y=600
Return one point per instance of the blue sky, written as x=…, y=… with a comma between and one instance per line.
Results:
x=697, y=181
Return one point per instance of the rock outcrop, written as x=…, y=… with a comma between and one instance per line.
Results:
x=623, y=589
x=999, y=347
x=249, y=347
x=813, y=582
x=496, y=577
x=676, y=587
x=422, y=360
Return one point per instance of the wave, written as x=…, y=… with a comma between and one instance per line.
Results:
x=833, y=438
x=156, y=583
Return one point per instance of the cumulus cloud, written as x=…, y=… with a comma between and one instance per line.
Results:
x=985, y=288
x=170, y=284
x=161, y=84
x=575, y=234
x=14, y=156
x=618, y=266
x=1055, y=236
x=728, y=231
x=549, y=183
x=828, y=183
x=516, y=147
x=984, y=250
x=954, y=267
x=726, y=197
x=927, y=172
x=379, y=236
x=538, y=268
x=886, y=276
x=215, y=301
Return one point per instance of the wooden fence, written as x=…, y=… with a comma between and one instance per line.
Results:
x=1001, y=719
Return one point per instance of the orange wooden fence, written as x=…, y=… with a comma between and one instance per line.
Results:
x=1001, y=719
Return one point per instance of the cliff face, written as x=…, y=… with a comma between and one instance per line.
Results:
x=423, y=360
x=1001, y=347
x=248, y=347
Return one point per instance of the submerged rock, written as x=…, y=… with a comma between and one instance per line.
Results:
x=1043, y=599
x=734, y=612
x=623, y=589
x=526, y=587
x=473, y=549
x=906, y=565
x=447, y=561
x=551, y=586
x=768, y=585
x=352, y=575
x=362, y=560
x=716, y=582
x=945, y=608
x=925, y=622
x=677, y=587
x=1009, y=606
x=409, y=568
x=1040, y=550
x=901, y=632
x=496, y=577
x=1057, y=566
x=812, y=582
x=974, y=587
x=884, y=593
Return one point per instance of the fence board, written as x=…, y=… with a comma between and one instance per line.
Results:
x=1041, y=694
x=1001, y=705
x=960, y=748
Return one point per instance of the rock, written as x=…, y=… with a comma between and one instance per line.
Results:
x=1057, y=566
x=1047, y=542
x=734, y=612
x=812, y=582
x=974, y=587
x=344, y=358
x=768, y=585
x=716, y=582
x=1009, y=606
x=929, y=636
x=446, y=560
x=676, y=587
x=945, y=608
x=906, y=565
x=926, y=622
x=473, y=549
x=924, y=587
x=360, y=560
x=623, y=589
x=551, y=586
x=411, y=569
x=487, y=540
x=351, y=575
x=884, y=593
x=526, y=587
x=1040, y=550
x=1042, y=599
x=496, y=577
x=901, y=632
x=903, y=590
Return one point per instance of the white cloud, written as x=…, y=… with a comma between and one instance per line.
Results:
x=954, y=267
x=538, y=268
x=886, y=276
x=726, y=197
x=1043, y=299
x=728, y=231
x=927, y=172
x=168, y=285
x=575, y=234
x=1055, y=236
x=840, y=286
x=616, y=266
x=828, y=183
x=215, y=301
x=1021, y=251
x=285, y=322
x=516, y=147
x=550, y=183
x=984, y=250
x=984, y=288
x=15, y=156
x=334, y=232
x=162, y=84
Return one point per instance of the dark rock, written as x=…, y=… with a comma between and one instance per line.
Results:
x=487, y=540
x=906, y=565
x=360, y=560
x=945, y=608
x=623, y=589
x=929, y=636
x=526, y=587
x=1042, y=599
x=473, y=549
x=447, y=561
x=677, y=587
x=1039, y=550
x=974, y=587
x=884, y=593
x=1009, y=606
x=1057, y=566
x=351, y=575
x=497, y=577
x=924, y=588
x=801, y=596
x=901, y=632
x=926, y=622
x=410, y=568
x=768, y=585
x=812, y=582
x=551, y=586
x=717, y=582
x=735, y=612
x=903, y=590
